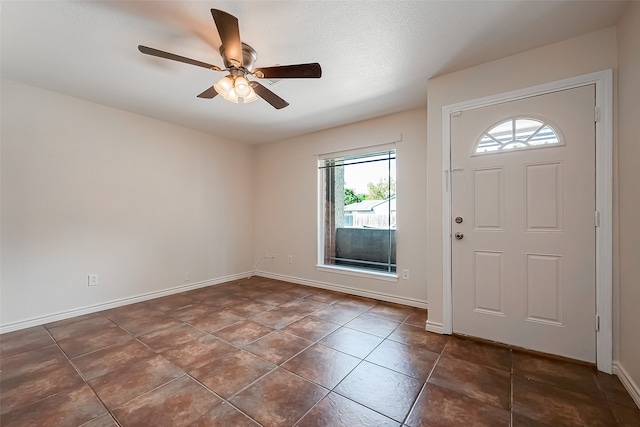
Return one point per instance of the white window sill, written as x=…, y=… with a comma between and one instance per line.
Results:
x=387, y=277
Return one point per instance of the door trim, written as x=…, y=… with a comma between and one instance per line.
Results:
x=603, y=81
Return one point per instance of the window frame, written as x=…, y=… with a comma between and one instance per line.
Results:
x=543, y=120
x=342, y=269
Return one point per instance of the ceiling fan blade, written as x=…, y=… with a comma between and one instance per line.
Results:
x=162, y=54
x=299, y=71
x=269, y=96
x=209, y=93
x=229, y=31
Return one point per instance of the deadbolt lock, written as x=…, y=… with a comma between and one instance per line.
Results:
x=458, y=220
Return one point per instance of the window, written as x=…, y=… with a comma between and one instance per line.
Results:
x=517, y=134
x=358, y=221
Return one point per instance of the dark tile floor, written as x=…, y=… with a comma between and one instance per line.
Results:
x=265, y=352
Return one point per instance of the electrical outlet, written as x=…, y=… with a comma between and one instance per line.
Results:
x=405, y=274
x=187, y=277
x=92, y=279
x=290, y=259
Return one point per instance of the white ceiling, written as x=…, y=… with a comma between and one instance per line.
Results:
x=376, y=56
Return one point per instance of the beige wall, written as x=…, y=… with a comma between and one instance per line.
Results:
x=90, y=189
x=629, y=195
x=588, y=53
x=286, y=203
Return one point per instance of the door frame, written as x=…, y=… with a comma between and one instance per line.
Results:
x=603, y=216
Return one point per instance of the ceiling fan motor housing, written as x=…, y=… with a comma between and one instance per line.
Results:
x=249, y=57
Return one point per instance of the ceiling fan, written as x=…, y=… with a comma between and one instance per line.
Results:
x=239, y=61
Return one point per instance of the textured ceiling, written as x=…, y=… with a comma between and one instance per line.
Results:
x=376, y=56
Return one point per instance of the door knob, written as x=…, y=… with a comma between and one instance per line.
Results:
x=459, y=236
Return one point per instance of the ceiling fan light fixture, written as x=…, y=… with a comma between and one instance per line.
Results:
x=251, y=97
x=242, y=87
x=232, y=96
x=224, y=86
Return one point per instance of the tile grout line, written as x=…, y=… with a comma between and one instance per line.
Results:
x=226, y=400
x=426, y=381
x=83, y=379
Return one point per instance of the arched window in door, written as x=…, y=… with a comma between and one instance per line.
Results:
x=517, y=134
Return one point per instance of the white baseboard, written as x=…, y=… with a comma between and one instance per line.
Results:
x=436, y=327
x=627, y=381
x=346, y=289
x=36, y=321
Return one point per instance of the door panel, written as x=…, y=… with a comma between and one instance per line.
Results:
x=544, y=196
x=524, y=272
x=488, y=195
x=488, y=283
x=543, y=288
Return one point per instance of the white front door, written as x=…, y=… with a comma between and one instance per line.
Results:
x=523, y=204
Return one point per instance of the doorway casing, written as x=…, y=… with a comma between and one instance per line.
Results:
x=603, y=217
